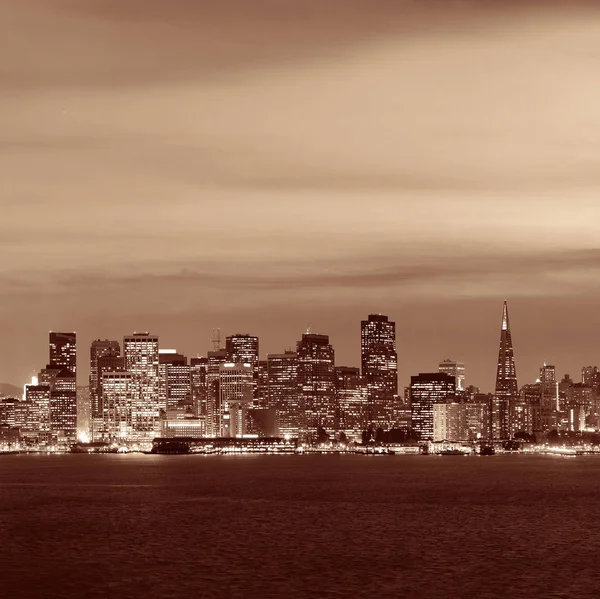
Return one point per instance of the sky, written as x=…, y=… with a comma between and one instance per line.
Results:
x=271, y=165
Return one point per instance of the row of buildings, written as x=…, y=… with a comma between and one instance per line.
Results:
x=138, y=390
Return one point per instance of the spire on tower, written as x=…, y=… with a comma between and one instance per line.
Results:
x=505, y=323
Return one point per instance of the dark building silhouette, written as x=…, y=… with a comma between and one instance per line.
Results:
x=379, y=362
x=100, y=348
x=198, y=370
x=262, y=389
x=63, y=350
x=316, y=381
x=426, y=390
x=63, y=405
x=507, y=390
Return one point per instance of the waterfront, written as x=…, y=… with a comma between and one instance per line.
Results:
x=141, y=526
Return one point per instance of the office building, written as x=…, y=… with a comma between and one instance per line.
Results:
x=460, y=421
x=507, y=390
x=316, y=382
x=175, y=379
x=261, y=399
x=549, y=397
x=39, y=396
x=215, y=359
x=198, y=370
x=120, y=392
x=242, y=348
x=63, y=406
x=455, y=369
x=283, y=392
x=236, y=388
x=379, y=363
x=63, y=350
x=140, y=352
x=352, y=400
x=427, y=390
x=100, y=348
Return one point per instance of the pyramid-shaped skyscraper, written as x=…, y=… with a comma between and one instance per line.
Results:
x=506, y=375
x=507, y=389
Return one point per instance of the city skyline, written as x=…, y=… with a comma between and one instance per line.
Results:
x=349, y=354
x=340, y=166
x=258, y=259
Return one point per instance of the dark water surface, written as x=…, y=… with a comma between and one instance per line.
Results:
x=136, y=526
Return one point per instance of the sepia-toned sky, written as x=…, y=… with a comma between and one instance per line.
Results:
x=179, y=165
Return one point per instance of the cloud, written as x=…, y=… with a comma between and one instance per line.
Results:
x=193, y=156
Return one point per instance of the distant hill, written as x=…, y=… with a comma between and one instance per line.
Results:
x=9, y=390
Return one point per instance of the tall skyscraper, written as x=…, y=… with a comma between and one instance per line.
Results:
x=175, y=380
x=455, y=369
x=242, y=348
x=426, y=390
x=100, y=348
x=507, y=390
x=39, y=396
x=352, y=400
x=379, y=362
x=316, y=381
x=283, y=392
x=63, y=405
x=63, y=350
x=140, y=351
x=261, y=398
x=236, y=388
x=549, y=403
x=198, y=371
x=118, y=395
x=215, y=359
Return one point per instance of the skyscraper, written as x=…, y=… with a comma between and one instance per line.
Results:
x=352, y=400
x=100, y=348
x=236, y=388
x=507, y=390
x=175, y=380
x=63, y=350
x=455, y=369
x=63, y=406
x=316, y=381
x=261, y=397
x=118, y=396
x=426, y=390
x=39, y=395
x=590, y=376
x=549, y=403
x=198, y=370
x=283, y=392
x=141, y=360
x=379, y=362
x=242, y=348
x=215, y=359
